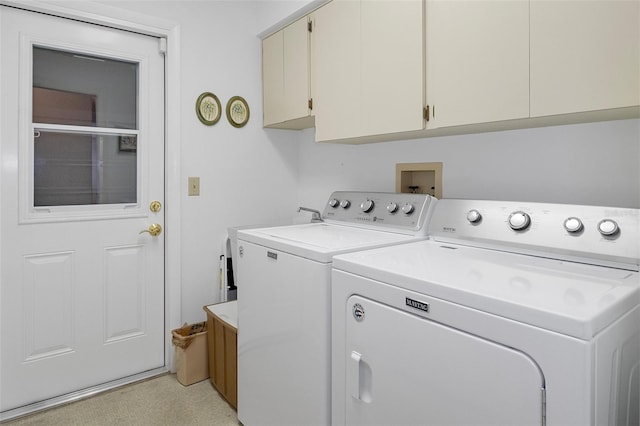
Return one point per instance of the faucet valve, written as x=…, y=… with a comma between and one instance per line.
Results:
x=315, y=214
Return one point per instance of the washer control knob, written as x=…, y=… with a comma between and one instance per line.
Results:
x=608, y=227
x=474, y=216
x=407, y=208
x=392, y=207
x=345, y=204
x=367, y=206
x=519, y=221
x=334, y=203
x=573, y=225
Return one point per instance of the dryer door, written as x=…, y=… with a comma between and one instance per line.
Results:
x=404, y=369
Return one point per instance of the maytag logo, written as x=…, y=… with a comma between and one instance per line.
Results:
x=417, y=304
x=448, y=229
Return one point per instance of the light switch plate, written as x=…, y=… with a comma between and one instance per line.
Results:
x=194, y=186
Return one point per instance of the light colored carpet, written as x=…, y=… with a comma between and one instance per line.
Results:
x=158, y=401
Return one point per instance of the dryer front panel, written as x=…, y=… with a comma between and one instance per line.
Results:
x=405, y=369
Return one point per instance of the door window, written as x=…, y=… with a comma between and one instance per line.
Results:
x=85, y=139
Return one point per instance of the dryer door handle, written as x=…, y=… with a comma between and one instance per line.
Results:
x=360, y=378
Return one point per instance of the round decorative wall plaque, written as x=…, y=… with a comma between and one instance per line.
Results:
x=208, y=108
x=237, y=111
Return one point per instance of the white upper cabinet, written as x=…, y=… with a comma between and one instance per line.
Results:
x=286, y=77
x=336, y=70
x=368, y=68
x=392, y=97
x=585, y=55
x=477, y=61
x=273, y=79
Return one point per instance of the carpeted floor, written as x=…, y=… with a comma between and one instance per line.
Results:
x=158, y=401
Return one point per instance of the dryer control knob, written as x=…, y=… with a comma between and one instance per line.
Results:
x=334, y=203
x=408, y=208
x=345, y=204
x=519, y=221
x=608, y=227
x=392, y=207
x=573, y=225
x=474, y=216
x=367, y=206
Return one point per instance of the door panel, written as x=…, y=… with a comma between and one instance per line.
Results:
x=406, y=370
x=47, y=282
x=82, y=289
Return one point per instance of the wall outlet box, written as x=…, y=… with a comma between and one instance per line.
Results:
x=420, y=178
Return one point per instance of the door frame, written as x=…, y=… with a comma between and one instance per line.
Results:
x=114, y=17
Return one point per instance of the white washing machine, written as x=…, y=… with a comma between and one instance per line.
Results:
x=284, y=341
x=510, y=314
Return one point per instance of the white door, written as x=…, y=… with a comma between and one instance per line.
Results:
x=406, y=370
x=81, y=161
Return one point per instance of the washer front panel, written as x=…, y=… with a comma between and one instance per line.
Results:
x=283, y=338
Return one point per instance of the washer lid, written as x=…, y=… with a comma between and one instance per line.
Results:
x=570, y=298
x=321, y=241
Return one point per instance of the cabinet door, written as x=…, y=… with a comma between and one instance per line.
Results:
x=585, y=55
x=336, y=74
x=286, y=77
x=392, y=49
x=273, y=79
x=477, y=60
x=368, y=68
x=297, y=91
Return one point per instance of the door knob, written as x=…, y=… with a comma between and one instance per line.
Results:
x=154, y=229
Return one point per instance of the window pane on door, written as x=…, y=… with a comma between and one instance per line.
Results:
x=80, y=168
x=78, y=89
x=73, y=164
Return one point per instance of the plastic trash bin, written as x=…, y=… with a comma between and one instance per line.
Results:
x=191, y=353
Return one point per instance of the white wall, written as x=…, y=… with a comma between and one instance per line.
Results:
x=595, y=163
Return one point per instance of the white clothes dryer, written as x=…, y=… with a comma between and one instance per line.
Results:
x=284, y=342
x=511, y=314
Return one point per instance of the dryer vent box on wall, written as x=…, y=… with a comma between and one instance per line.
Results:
x=420, y=178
